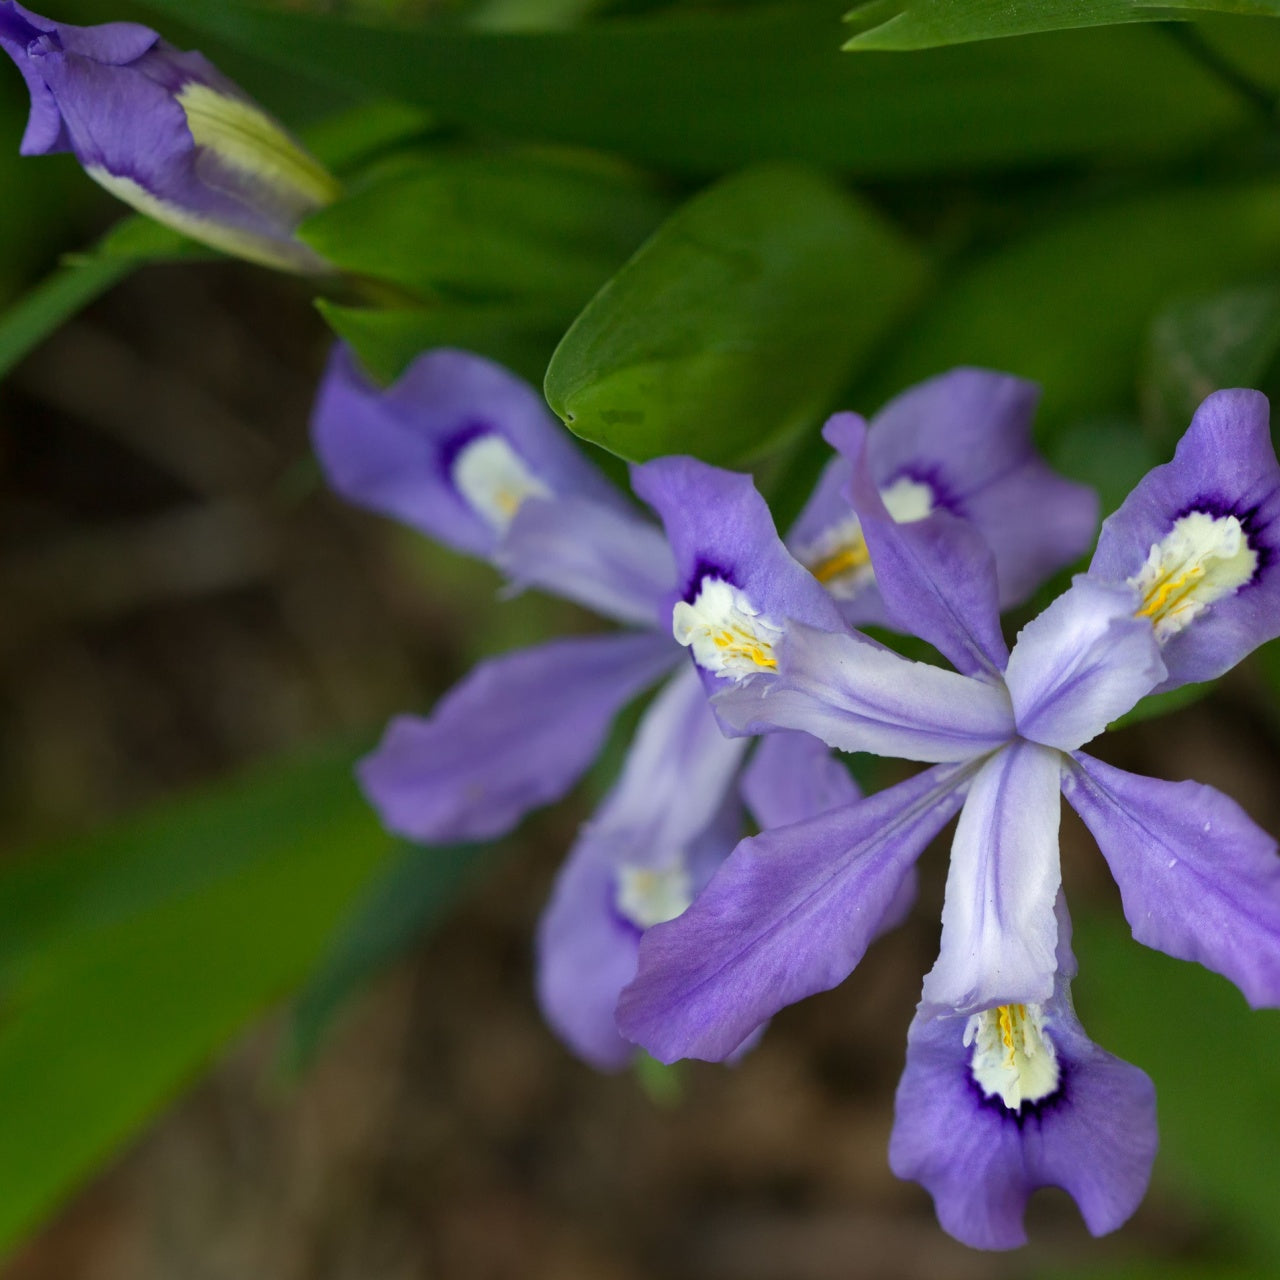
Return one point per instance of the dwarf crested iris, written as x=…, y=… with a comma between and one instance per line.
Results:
x=1184, y=583
x=167, y=133
x=462, y=450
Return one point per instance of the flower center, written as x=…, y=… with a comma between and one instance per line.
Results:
x=648, y=896
x=1013, y=1058
x=494, y=480
x=839, y=559
x=1201, y=559
x=727, y=634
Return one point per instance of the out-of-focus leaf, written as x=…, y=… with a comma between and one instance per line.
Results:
x=130, y=956
x=490, y=225
x=1197, y=346
x=386, y=339
x=926, y=24
x=714, y=91
x=1069, y=304
x=737, y=323
x=1216, y=1066
x=400, y=907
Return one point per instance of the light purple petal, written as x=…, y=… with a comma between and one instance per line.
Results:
x=967, y=434
x=514, y=734
x=858, y=696
x=1225, y=465
x=672, y=789
x=608, y=560
x=1096, y=1138
x=1198, y=878
x=793, y=776
x=1082, y=663
x=936, y=576
x=393, y=450
x=999, y=933
x=718, y=525
x=790, y=913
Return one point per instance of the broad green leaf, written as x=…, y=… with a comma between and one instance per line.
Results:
x=1069, y=304
x=398, y=909
x=926, y=24
x=737, y=323
x=489, y=225
x=1196, y=346
x=714, y=91
x=128, y=957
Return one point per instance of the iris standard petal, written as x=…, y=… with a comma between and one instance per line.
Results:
x=514, y=734
x=790, y=913
x=1199, y=879
x=611, y=561
x=999, y=933
x=1081, y=663
x=793, y=776
x=452, y=448
x=858, y=696
x=638, y=858
x=936, y=576
x=1200, y=536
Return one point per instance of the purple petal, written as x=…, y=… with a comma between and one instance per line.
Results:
x=857, y=696
x=936, y=576
x=999, y=934
x=790, y=913
x=514, y=734
x=1082, y=663
x=1224, y=466
x=1095, y=1138
x=1198, y=878
x=672, y=789
x=967, y=435
x=608, y=560
x=793, y=776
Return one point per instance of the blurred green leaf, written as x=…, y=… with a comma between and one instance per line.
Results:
x=737, y=323
x=131, y=955
x=714, y=91
x=405, y=901
x=925, y=24
x=1069, y=304
x=1199, y=345
x=490, y=225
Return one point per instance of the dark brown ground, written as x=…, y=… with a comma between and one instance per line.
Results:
x=179, y=599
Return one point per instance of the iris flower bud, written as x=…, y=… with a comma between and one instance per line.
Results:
x=166, y=132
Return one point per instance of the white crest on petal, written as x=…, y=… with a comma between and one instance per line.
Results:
x=1013, y=1056
x=1203, y=558
x=727, y=633
x=647, y=896
x=494, y=480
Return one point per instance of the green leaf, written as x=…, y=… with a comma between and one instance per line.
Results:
x=715, y=91
x=401, y=906
x=737, y=323
x=1069, y=304
x=490, y=225
x=130, y=956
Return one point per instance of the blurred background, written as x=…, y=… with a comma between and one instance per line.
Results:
x=243, y=1035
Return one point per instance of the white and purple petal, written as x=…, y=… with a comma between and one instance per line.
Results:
x=793, y=776
x=1199, y=879
x=1206, y=528
x=858, y=696
x=790, y=913
x=999, y=931
x=1080, y=664
x=514, y=734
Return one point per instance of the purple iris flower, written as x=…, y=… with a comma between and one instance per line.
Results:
x=465, y=452
x=167, y=133
x=1185, y=582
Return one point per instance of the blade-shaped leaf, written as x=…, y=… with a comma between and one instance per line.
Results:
x=737, y=323
x=128, y=957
